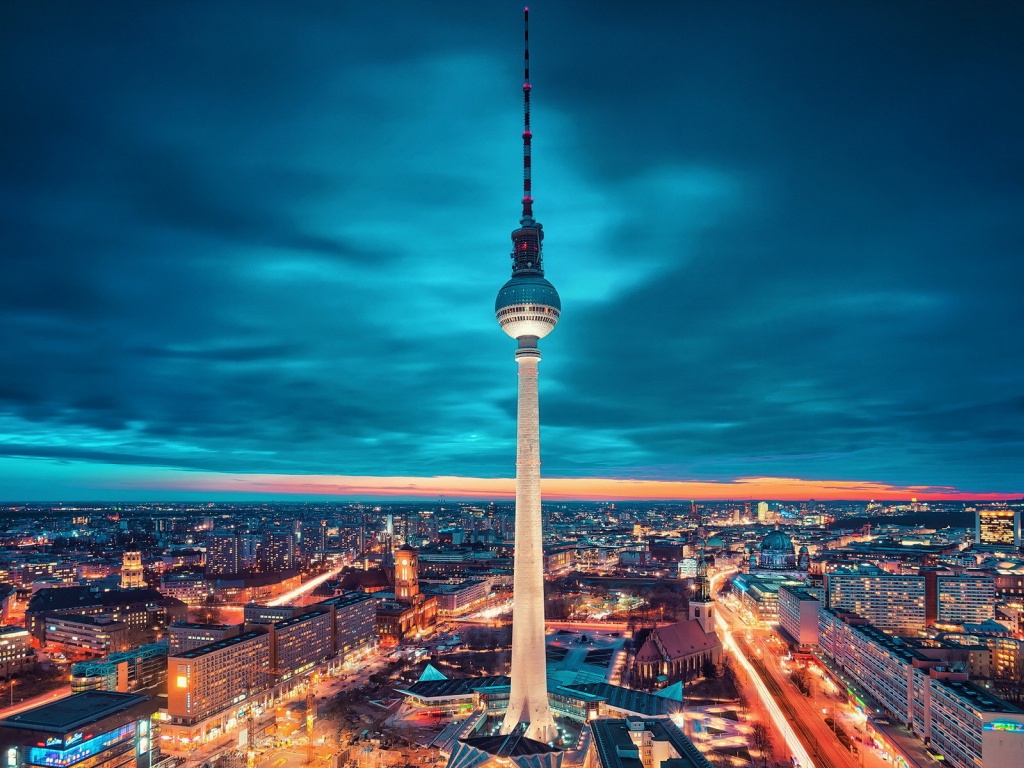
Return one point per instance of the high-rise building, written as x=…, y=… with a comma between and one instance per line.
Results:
x=527, y=308
x=889, y=601
x=208, y=679
x=222, y=553
x=279, y=552
x=762, y=511
x=998, y=528
x=131, y=571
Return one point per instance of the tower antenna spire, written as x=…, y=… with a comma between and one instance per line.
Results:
x=527, y=133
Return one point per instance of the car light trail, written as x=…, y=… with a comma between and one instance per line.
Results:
x=304, y=588
x=792, y=742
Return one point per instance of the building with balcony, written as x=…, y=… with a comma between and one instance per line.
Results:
x=925, y=688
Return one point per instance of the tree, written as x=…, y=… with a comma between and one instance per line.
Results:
x=761, y=740
x=709, y=670
x=802, y=680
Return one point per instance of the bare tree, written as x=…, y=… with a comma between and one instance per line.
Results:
x=761, y=740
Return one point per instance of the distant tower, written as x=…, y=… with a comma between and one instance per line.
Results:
x=527, y=309
x=407, y=584
x=701, y=605
x=387, y=562
x=131, y=571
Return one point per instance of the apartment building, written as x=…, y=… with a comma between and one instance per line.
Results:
x=355, y=621
x=207, y=680
x=965, y=599
x=926, y=689
x=186, y=635
x=888, y=601
x=301, y=642
x=798, y=615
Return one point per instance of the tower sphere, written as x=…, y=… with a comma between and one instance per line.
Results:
x=527, y=305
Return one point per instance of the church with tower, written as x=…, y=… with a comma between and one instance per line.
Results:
x=681, y=651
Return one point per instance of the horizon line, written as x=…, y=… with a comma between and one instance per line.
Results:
x=169, y=485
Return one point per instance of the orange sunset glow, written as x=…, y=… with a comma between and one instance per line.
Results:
x=584, y=489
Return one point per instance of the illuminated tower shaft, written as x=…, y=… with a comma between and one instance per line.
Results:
x=528, y=699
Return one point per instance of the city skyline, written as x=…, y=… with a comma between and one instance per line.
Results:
x=789, y=239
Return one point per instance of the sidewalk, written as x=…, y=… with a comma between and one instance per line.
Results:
x=907, y=746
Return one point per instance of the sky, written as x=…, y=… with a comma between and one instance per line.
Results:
x=250, y=249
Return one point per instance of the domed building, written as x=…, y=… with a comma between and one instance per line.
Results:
x=777, y=552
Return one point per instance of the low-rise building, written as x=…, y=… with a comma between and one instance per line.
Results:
x=128, y=671
x=16, y=654
x=100, y=727
x=632, y=742
x=98, y=635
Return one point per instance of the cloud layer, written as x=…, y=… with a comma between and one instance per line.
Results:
x=262, y=239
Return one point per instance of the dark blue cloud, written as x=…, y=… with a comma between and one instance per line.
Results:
x=258, y=238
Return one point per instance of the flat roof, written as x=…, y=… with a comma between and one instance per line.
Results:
x=74, y=711
x=284, y=623
x=453, y=687
x=217, y=646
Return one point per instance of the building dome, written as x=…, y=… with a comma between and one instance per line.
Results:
x=777, y=552
x=777, y=541
x=527, y=305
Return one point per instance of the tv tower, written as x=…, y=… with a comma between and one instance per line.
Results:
x=527, y=309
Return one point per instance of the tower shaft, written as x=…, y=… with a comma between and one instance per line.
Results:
x=528, y=699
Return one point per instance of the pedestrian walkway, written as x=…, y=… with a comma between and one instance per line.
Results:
x=902, y=743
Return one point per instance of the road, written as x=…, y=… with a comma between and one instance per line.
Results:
x=294, y=594
x=759, y=653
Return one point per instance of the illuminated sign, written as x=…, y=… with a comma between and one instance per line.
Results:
x=76, y=737
x=1004, y=725
x=53, y=740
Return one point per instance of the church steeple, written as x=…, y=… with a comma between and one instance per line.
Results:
x=701, y=605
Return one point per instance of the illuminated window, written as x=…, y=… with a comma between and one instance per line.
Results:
x=182, y=681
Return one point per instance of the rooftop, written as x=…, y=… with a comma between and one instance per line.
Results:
x=74, y=711
x=220, y=645
x=617, y=750
x=458, y=686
